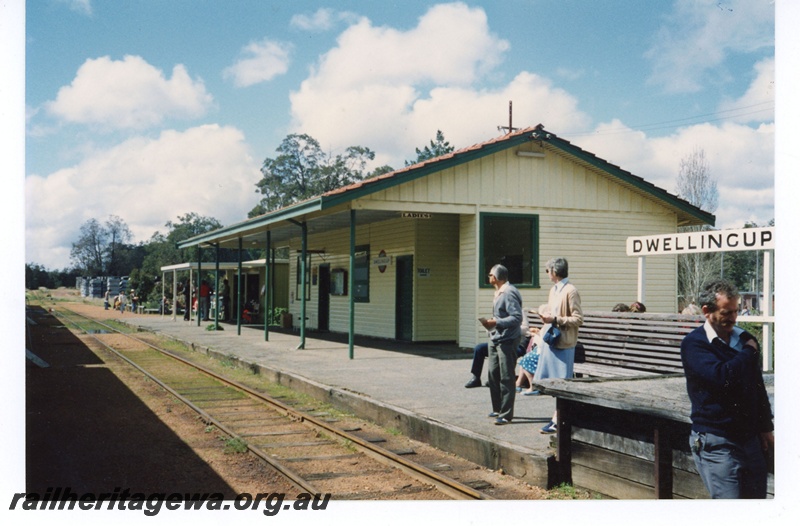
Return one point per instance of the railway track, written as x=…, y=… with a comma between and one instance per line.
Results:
x=313, y=451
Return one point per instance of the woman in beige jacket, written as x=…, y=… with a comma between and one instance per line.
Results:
x=563, y=312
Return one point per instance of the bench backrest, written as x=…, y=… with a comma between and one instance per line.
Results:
x=618, y=343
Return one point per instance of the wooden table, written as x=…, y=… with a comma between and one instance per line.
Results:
x=649, y=413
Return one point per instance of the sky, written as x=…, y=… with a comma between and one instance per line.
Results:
x=148, y=110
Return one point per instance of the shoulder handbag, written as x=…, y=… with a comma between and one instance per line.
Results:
x=552, y=335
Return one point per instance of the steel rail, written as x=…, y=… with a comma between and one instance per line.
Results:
x=446, y=485
x=285, y=471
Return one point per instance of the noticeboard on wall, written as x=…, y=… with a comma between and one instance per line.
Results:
x=339, y=282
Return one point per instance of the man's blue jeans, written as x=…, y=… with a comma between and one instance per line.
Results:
x=730, y=469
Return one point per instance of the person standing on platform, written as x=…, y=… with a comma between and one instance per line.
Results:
x=563, y=311
x=504, y=330
x=134, y=300
x=225, y=300
x=205, y=294
x=187, y=299
x=123, y=301
x=732, y=428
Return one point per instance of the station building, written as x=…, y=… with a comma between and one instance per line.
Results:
x=406, y=255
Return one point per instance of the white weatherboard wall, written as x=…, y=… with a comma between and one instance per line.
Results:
x=433, y=243
x=375, y=318
x=436, y=308
x=584, y=216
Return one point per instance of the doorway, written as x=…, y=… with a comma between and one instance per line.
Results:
x=324, y=304
x=404, y=299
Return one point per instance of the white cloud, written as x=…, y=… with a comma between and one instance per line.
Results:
x=466, y=112
x=758, y=102
x=322, y=19
x=146, y=182
x=391, y=90
x=739, y=157
x=372, y=80
x=452, y=44
x=264, y=61
x=700, y=34
x=128, y=94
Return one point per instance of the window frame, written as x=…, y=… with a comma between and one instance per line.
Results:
x=299, y=276
x=483, y=272
x=360, y=265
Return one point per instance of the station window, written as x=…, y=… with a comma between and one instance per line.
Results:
x=299, y=276
x=513, y=241
x=361, y=274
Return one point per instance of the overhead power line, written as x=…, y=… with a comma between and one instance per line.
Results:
x=694, y=119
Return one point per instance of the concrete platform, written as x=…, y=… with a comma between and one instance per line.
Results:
x=416, y=388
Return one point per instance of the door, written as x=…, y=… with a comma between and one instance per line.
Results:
x=252, y=296
x=323, y=312
x=404, y=298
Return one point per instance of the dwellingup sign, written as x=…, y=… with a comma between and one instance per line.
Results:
x=714, y=241
x=704, y=241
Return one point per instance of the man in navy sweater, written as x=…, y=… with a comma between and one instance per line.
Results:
x=731, y=415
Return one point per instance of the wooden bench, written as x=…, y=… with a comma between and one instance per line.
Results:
x=631, y=344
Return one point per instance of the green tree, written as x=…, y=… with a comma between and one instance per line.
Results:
x=162, y=250
x=380, y=170
x=36, y=276
x=696, y=185
x=89, y=251
x=342, y=170
x=302, y=170
x=437, y=147
x=104, y=249
x=118, y=235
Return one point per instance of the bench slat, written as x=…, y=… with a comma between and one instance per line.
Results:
x=631, y=344
x=654, y=360
x=605, y=370
x=632, y=349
